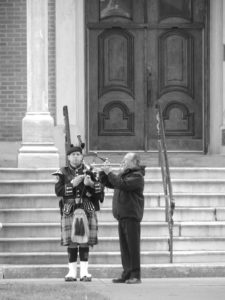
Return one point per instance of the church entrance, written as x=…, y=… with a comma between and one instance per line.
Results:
x=140, y=53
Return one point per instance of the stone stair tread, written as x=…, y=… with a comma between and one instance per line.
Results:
x=27, y=169
x=144, y=223
x=31, y=224
x=159, y=270
x=188, y=180
x=27, y=180
x=156, y=238
x=167, y=265
x=186, y=193
x=20, y=195
x=191, y=252
x=116, y=166
x=8, y=195
x=111, y=252
x=29, y=209
x=13, y=181
x=110, y=209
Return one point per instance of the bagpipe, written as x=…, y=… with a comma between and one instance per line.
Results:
x=91, y=168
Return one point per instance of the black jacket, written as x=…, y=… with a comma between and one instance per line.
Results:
x=65, y=189
x=128, y=198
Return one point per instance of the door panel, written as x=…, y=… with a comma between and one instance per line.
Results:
x=175, y=52
x=141, y=53
x=116, y=85
x=179, y=88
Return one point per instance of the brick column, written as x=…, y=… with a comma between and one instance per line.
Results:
x=38, y=148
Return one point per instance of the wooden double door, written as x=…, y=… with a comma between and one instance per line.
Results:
x=140, y=53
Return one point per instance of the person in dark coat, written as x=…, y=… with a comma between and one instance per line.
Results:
x=128, y=209
x=77, y=187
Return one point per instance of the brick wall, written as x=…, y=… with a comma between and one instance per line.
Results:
x=51, y=59
x=13, y=67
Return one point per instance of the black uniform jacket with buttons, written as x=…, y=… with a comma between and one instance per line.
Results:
x=65, y=189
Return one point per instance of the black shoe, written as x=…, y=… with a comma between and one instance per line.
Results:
x=133, y=281
x=70, y=279
x=86, y=278
x=119, y=280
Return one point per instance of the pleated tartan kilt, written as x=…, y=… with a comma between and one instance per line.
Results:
x=66, y=228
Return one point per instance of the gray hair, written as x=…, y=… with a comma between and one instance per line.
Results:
x=136, y=159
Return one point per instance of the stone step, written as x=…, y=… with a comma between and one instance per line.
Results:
x=175, y=270
x=187, y=173
x=150, y=172
x=49, y=215
x=27, y=186
x=181, y=200
x=187, y=186
x=28, y=201
x=106, y=229
x=62, y=257
x=202, y=229
x=180, y=214
x=190, y=199
x=151, y=186
x=26, y=173
x=110, y=229
x=52, y=244
x=151, y=200
x=95, y=258
x=112, y=258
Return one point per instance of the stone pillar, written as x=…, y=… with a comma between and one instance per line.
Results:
x=216, y=74
x=38, y=149
x=70, y=69
x=223, y=89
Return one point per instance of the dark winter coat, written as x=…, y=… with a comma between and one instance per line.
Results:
x=128, y=198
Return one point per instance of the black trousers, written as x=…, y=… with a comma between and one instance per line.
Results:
x=129, y=237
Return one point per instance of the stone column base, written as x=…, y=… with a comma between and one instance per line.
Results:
x=38, y=148
x=38, y=156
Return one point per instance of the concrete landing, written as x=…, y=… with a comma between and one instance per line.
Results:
x=8, y=158
x=104, y=289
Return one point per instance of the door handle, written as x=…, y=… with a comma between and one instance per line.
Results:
x=149, y=85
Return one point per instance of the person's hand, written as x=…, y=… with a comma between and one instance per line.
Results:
x=88, y=181
x=77, y=180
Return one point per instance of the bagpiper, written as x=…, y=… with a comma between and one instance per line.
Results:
x=78, y=187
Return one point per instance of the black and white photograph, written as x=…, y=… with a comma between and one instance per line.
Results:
x=112, y=149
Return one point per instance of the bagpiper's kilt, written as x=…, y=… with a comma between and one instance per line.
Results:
x=66, y=228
